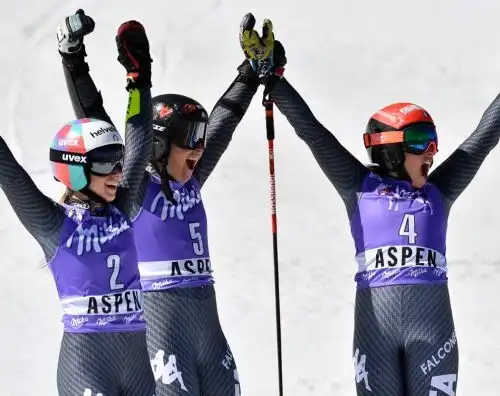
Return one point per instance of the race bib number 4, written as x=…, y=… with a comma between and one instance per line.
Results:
x=401, y=255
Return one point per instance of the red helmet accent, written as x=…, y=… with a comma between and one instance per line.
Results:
x=398, y=115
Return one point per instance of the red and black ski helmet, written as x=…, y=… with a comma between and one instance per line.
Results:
x=385, y=135
x=180, y=120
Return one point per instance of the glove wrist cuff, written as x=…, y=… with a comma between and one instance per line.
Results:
x=247, y=74
x=279, y=71
x=270, y=82
x=75, y=64
x=138, y=80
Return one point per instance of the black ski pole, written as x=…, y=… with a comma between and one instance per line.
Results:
x=268, y=105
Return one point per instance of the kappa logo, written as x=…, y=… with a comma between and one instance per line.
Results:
x=237, y=388
x=360, y=369
x=168, y=373
x=444, y=383
x=79, y=159
x=88, y=392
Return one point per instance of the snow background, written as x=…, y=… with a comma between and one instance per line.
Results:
x=347, y=59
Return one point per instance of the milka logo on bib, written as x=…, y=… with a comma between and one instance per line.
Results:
x=129, y=319
x=105, y=321
x=185, y=200
x=92, y=238
x=78, y=322
x=396, y=194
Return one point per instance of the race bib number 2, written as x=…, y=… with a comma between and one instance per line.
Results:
x=113, y=262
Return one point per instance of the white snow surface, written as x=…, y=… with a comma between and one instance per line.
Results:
x=347, y=58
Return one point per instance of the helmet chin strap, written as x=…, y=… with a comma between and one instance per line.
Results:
x=94, y=197
x=91, y=194
x=400, y=173
x=160, y=167
x=93, y=202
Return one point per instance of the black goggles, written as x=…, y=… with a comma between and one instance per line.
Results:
x=188, y=134
x=106, y=160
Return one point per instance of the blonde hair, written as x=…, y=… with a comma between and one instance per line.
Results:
x=65, y=196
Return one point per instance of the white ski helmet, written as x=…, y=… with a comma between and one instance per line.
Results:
x=82, y=147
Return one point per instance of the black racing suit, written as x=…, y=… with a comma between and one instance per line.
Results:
x=183, y=322
x=114, y=364
x=404, y=337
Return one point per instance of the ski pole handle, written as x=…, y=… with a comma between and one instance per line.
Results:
x=268, y=105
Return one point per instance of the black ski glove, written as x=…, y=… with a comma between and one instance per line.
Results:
x=133, y=54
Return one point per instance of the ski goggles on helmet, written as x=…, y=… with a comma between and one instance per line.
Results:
x=106, y=160
x=188, y=134
x=416, y=139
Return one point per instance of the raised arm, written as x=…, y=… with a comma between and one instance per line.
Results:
x=133, y=49
x=454, y=175
x=268, y=59
x=40, y=215
x=85, y=98
x=344, y=171
x=224, y=118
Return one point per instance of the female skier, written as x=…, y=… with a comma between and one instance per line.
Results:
x=88, y=240
x=404, y=337
x=187, y=346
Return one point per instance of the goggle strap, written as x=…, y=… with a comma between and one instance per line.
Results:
x=376, y=139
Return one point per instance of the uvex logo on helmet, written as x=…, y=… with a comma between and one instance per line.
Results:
x=102, y=131
x=68, y=142
x=79, y=159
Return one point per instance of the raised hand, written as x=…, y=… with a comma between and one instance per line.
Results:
x=71, y=32
x=133, y=53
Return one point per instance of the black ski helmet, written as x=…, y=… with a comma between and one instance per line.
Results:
x=395, y=117
x=180, y=120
